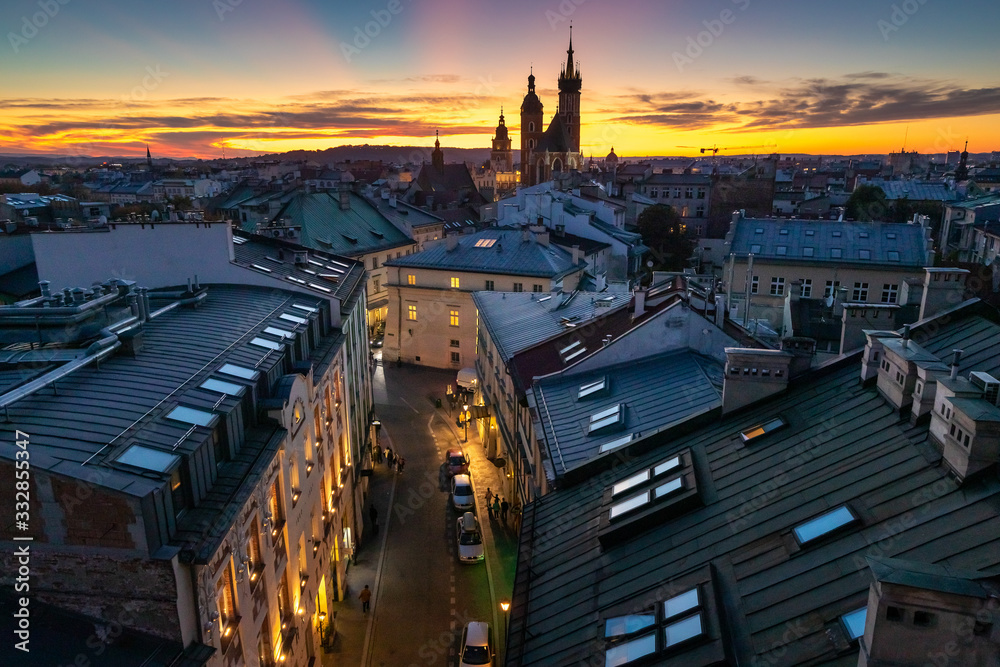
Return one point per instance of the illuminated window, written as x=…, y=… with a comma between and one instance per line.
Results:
x=411, y=279
x=854, y=622
x=823, y=524
x=226, y=596
x=455, y=283
x=411, y=313
x=761, y=429
x=453, y=315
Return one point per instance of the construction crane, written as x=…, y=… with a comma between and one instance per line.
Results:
x=714, y=150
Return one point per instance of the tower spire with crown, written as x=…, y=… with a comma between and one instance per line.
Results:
x=437, y=157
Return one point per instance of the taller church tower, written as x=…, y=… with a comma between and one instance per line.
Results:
x=570, y=84
x=531, y=131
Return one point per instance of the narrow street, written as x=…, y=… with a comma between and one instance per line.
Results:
x=423, y=596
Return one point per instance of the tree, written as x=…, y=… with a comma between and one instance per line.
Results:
x=665, y=234
x=867, y=203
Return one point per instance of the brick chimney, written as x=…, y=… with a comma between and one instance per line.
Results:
x=344, y=195
x=965, y=423
x=944, y=288
x=753, y=375
x=860, y=317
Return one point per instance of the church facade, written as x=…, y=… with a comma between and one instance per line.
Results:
x=546, y=153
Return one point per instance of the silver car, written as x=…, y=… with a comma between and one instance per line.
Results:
x=461, y=493
x=469, y=538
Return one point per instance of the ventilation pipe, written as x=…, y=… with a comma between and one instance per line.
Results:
x=44, y=286
x=143, y=304
x=906, y=336
x=957, y=355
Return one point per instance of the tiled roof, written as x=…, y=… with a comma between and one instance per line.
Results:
x=843, y=443
x=868, y=243
x=556, y=138
x=509, y=254
x=678, y=179
x=359, y=230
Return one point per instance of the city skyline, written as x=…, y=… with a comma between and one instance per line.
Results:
x=195, y=79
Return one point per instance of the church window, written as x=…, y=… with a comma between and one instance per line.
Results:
x=531, y=127
x=531, y=143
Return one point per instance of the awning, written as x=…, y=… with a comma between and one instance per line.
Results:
x=479, y=411
x=468, y=378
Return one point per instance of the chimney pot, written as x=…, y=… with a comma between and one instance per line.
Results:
x=957, y=355
x=44, y=286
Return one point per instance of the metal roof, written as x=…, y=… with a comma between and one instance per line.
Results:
x=510, y=254
x=359, y=230
x=843, y=443
x=915, y=190
x=868, y=243
x=693, y=383
x=519, y=320
x=98, y=410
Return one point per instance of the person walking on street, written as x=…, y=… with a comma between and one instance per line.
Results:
x=373, y=515
x=495, y=514
x=388, y=458
x=400, y=462
x=366, y=599
x=489, y=501
x=504, y=507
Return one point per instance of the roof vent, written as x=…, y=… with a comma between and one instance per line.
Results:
x=989, y=385
x=301, y=258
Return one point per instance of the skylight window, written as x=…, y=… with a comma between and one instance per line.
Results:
x=664, y=490
x=808, y=251
x=783, y=232
x=308, y=309
x=148, y=459
x=630, y=482
x=320, y=288
x=222, y=387
x=862, y=235
x=629, y=651
x=592, y=388
x=755, y=248
x=667, y=466
x=296, y=280
x=261, y=268
x=569, y=347
x=191, y=416
x=239, y=240
x=823, y=524
x=864, y=254
x=629, y=504
x=485, y=243
x=288, y=317
x=854, y=622
x=574, y=355
x=682, y=630
x=891, y=236
x=836, y=253
x=280, y=333
x=810, y=232
x=759, y=230
x=836, y=235
x=607, y=417
x=761, y=429
x=333, y=261
x=680, y=603
x=782, y=250
x=626, y=625
x=893, y=255
x=616, y=443
x=238, y=371
x=267, y=344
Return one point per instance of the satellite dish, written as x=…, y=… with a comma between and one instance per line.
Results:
x=649, y=263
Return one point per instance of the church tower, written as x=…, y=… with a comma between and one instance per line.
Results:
x=962, y=173
x=502, y=157
x=569, y=97
x=531, y=131
x=437, y=157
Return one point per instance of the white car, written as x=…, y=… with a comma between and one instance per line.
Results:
x=477, y=645
x=461, y=493
x=470, y=539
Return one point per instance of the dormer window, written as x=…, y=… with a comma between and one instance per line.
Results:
x=672, y=623
x=762, y=429
x=824, y=524
x=615, y=444
x=191, y=416
x=854, y=623
x=615, y=415
x=592, y=388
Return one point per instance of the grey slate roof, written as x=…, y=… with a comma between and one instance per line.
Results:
x=693, y=383
x=509, y=255
x=915, y=190
x=843, y=444
x=827, y=236
x=518, y=320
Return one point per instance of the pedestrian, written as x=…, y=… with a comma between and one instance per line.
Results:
x=373, y=515
x=366, y=599
x=400, y=462
x=388, y=457
x=379, y=453
x=495, y=507
x=392, y=460
x=489, y=501
x=504, y=507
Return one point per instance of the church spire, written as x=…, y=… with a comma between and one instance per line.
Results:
x=437, y=157
x=569, y=54
x=149, y=159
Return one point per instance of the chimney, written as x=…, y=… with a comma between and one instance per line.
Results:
x=944, y=288
x=803, y=350
x=143, y=302
x=542, y=238
x=640, y=302
x=133, y=303
x=965, y=424
x=43, y=285
x=451, y=241
x=577, y=254
x=956, y=356
x=859, y=318
x=753, y=375
x=906, y=336
x=737, y=215
x=392, y=201
x=525, y=234
x=344, y=196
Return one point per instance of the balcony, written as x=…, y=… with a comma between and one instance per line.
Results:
x=229, y=633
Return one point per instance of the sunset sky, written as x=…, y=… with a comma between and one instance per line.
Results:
x=194, y=77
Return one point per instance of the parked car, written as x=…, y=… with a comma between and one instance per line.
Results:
x=469, y=538
x=477, y=645
x=457, y=461
x=461, y=493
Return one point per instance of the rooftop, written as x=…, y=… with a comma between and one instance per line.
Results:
x=840, y=451
x=915, y=190
x=497, y=250
x=881, y=244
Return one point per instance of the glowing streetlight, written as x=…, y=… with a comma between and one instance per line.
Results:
x=505, y=606
x=465, y=411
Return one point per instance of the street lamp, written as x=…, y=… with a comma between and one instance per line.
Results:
x=465, y=410
x=505, y=605
x=322, y=617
